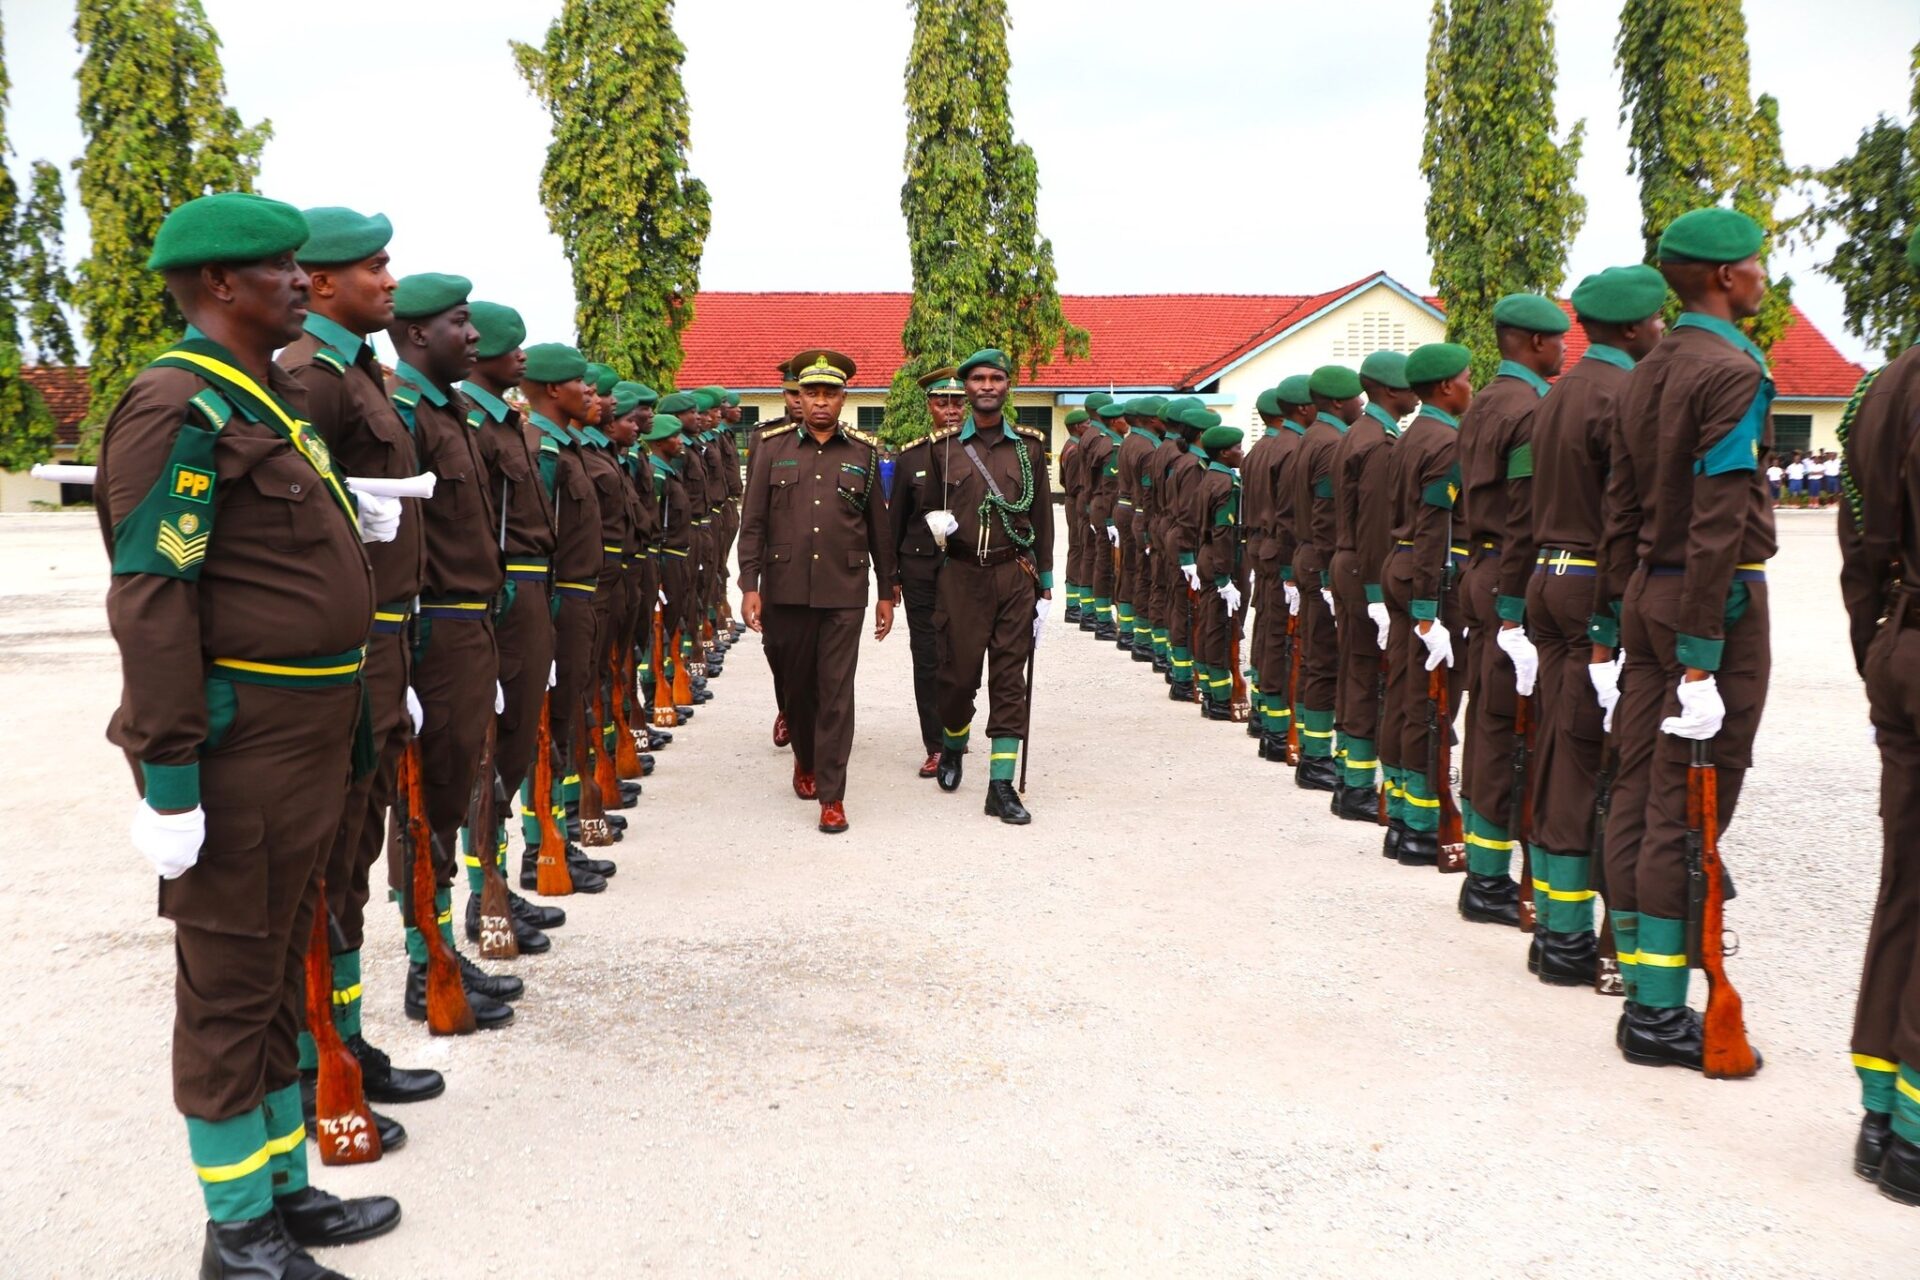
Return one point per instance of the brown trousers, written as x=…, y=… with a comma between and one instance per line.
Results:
x=454, y=674
x=573, y=632
x=363, y=815
x=1486, y=763
x=1320, y=651
x=1356, y=708
x=1405, y=721
x=1647, y=823
x=1567, y=736
x=817, y=651
x=1213, y=629
x=1164, y=583
x=1270, y=631
x=273, y=790
x=1886, y=1022
x=985, y=613
x=525, y=639
x=1100, y=570
x=1127, y=586
x=919, y=592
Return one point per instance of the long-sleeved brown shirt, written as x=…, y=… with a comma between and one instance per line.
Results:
x=1423, y=477
x=1099, y=448
x=1360, y=506
x=1313, y=514
x=1882, y=450
x=904, y=512
x=1493, y=451
x=576, y=511
x=461, y=523
x=1571, y=441
x=953, y=483
x=1214, y=497
x=814, y=523
x=1135, y=447
x=513, y=465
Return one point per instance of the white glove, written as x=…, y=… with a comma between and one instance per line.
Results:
x=1113, y=534
x=499, y=698
x=379, y=518
x=1606, y=687
x=1039, y=620
x=1526, y=659
x=1231, y=594
x=1293, y=598
x=1378, y=612
x=663, y=596
x=415, y=712
x=170, y=841
x=1439, y=644
x=553, y=674
x=1326, y=593
x=1192, y=574
x=1701, y=711
x=942, y=523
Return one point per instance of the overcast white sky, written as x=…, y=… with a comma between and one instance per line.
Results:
x=1244, y=146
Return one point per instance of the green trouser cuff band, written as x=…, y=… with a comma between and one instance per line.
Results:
x=416, y=943
x=570, y=789
x=1626, y=945
x=1103, y=603
x=1422, y=806
x=286, y=1140
x=443, y=913
x=309, y=1052
x=171, y=786
x=1374, y=592
x=1396, y=784
x=1906, y=1104
x=1692, y=651
x=346, y=993
x=1360, y=758
x=529, y=818
x=469, y=858
x=1662, y=962
x=1316, y=734
x=1877, y=1075
x=230, y=1157
x=1567, y=891
x=1006, y=751
x=956, y=739
x=1489, y=850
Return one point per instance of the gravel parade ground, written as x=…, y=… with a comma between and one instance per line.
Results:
x=1186, y=1023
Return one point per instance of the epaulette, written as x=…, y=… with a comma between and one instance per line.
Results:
x=779, y=431
x=327, y=360
x=548, y=444
x=405, y=401
x=1031, y=433
x=872, y=442
x=477, y=418
x=937, y=436
x=213, y=407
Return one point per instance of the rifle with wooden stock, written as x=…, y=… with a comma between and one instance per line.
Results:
x=1453, y=839
x=1725, y=1052
x=595, y=831
x=626, y=754
x=1293, y=688
x=1606, y=975
x=343, y=1125
x=1520, y=811
x=552, y=879
x=448, y=1013
x=497, y=940
x=664, y=716
x=1385, y=795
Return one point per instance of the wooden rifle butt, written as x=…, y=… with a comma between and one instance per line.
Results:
x=343, y=1125
x=552, y=878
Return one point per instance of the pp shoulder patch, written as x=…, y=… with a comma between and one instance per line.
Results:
x=328, y=360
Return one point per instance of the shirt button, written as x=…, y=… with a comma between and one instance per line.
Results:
x=816, y=528
x=816, y=555
x=816, y=475
x=293, y=488
x=816, y=502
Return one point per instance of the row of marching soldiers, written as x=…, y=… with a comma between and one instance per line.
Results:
x=1578, y=555
x=359, y=608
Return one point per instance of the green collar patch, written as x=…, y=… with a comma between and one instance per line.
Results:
x=490, y=404
x=1508, y=369
x=408, y=374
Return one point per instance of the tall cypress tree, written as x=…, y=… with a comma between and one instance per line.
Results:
x=25, y=437
x=1501, y=208
x=1873, y=198
x=44, y=284
x=1695, y=136
x=159, y=133
x=616, y=185
x=982, y=272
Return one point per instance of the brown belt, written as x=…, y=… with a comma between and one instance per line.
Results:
x=986, y=559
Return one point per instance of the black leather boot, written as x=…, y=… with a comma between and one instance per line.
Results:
x=950, y=770
x=1418, y=848
x=393, y=1134
x=1143, y=653
x=1180, y=691
x=1162, y=663
x=1253, y=725
x=1103, y=631
x=1567, y=959
x=659, y=739
x=487, y=1013
x=578, y=861
x=1900, y=1171
x=384, y=1082
x=1870, y=1147
x=530, y=940
x=1390, y=844
x=1273, y=746
x=317, y=1219
x=1073, y=613
x=1316, y=773
x=477, y=981
x=1217, y=709
x=1490, y=900
x=257, y=1249
x=1003, y=802
x=540, y=917
x=1356, y=804
x=1653, y=1037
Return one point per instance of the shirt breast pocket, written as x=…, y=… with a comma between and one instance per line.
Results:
x=781, y=485
x=292, y=509
x=851, y=481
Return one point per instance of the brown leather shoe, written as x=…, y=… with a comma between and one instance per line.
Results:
x=931, y=767
x=833, y=817
x=780, y=735
x=803, y=782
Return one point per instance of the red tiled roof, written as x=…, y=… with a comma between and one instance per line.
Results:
x=65, y=391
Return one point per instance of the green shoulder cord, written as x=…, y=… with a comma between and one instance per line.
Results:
x=993, y=503
x=1847, y=487
x=166, y=535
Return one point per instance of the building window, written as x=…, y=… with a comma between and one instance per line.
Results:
x=871, y=417
x=1792, y=431
x=1369, y=332
x=749, y=415
x=1037, y=416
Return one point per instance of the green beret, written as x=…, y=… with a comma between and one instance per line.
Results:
x=1180, y=404
x=1913, y=249
x=501, y=328
x=986, y=358
x=1620, y=295
x=234, y=226
x=1076, y=416
x=1198, y=418
x=733, y=399
x=704, y=399
x=646, y=393
x=1334, y=382
x=677, y=402
x=1436, y=362
x=626, y=398
x=341, y=235
x=1216, y=438
x=664, y=426
x=1711, y=235
x=1388, y=368
x=601, y=378
x=1112, y=409
x=1295, y=390
x=717, y=394
x=428, y=294
x=554, y=362
x=1149, y=406
x=1531, y=312
x=1097, y=399
x=1268, y=402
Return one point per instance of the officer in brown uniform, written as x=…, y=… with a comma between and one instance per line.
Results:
x=1179, y=528
x=727, y=445
x=1687, y=501
x=1361, y=541
x=1073, y=487
x=919, y=555
x=986, y=493
x=619, y=540
x=1619, y=309
x=664, y=444
x=1336, y=402
x=1210, y=524
x=346, y=402
x=456, y=668
x=643, y=571
x=685, y=406
x=1267, y=501
x=1101, y=444
x=523, y=633
x=1130, y=595
x=814, y=527
x=1499, y=660
x=1423, y=484
x=1880, y=532
x=714, y=462
x=1158, y=566
x=241, y=601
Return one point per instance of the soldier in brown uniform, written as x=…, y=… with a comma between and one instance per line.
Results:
x=714, y=462
x=685, y=405
x=919, y=556
x=241, y=601
x=1336, y=402
x=1210, y=524
x=557, y=395
x=790, y=397
x=643, y=570
x=1102, y=445
x=1499, y=660
x=1879, y=533
x=665, y=443
x=456, y=668
x=1572, y=434
x=523, y=633
x=1267, y=497
x=1178, y=531
x=1159, y=569
x=813, y=528
x=1686, y=500
x=346, y=403
x=727, y=447
x=619, y=541
x=1423, y=484
x=1073, y=487
x=985, y=493
x=1130, y=597
x=1361, y=541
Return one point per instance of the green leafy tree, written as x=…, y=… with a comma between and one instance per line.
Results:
x=159, y=133
x=1873, y=198
x=983, y=274
x=44, y=286
x=616, y=184
x=1695, y=136
x=1501, y=208
x=26, y=428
